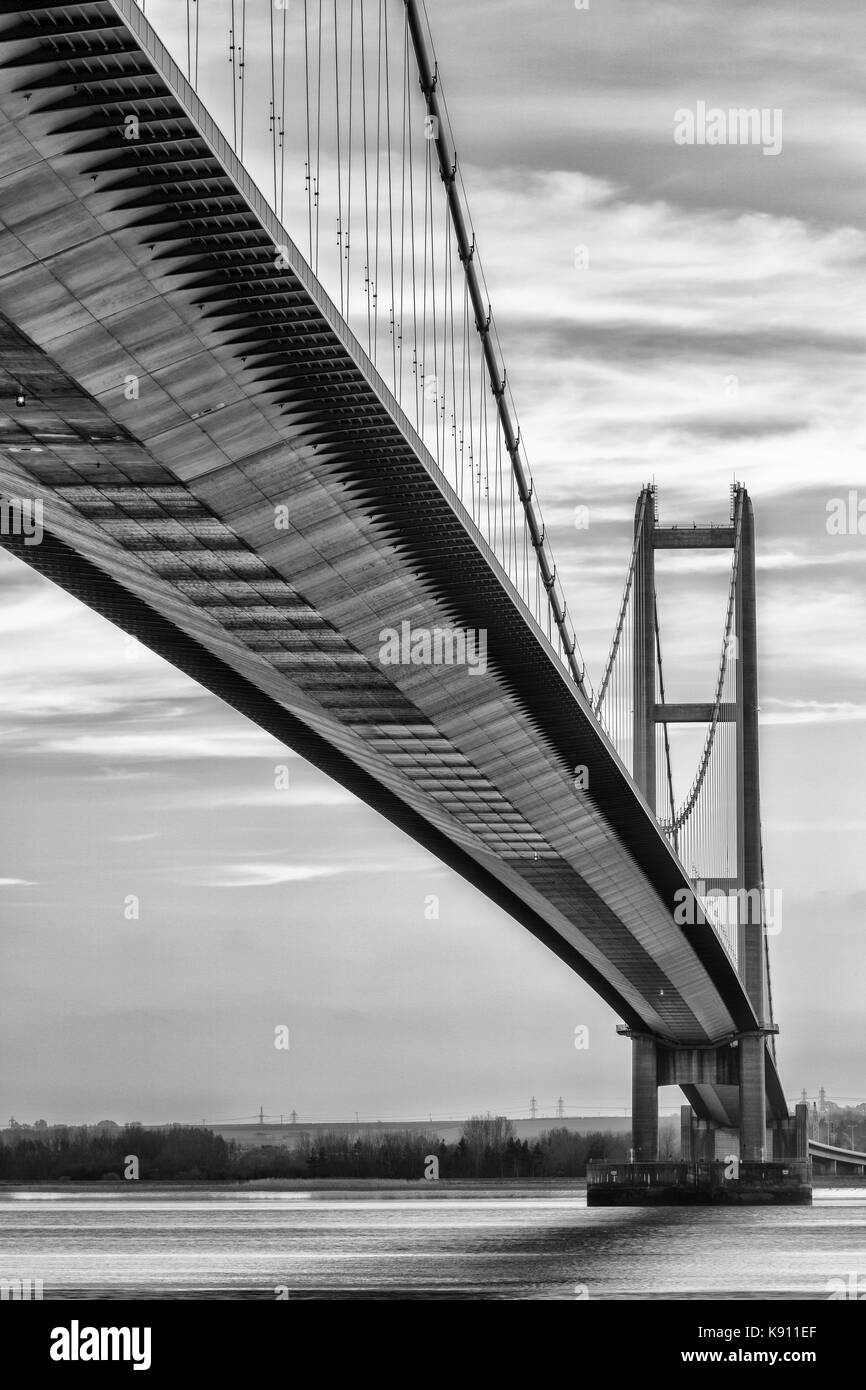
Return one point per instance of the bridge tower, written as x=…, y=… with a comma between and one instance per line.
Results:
x=653, y=1064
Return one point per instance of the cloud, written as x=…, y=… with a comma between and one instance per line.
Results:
x=265, y=875
x=177, y=745
x=329, y=794
x=776, y=711
x=822, y=827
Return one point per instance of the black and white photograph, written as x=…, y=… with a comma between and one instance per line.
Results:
x=432, y=669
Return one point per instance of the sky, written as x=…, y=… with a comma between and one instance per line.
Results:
x=711, y=329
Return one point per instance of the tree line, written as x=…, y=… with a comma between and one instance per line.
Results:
x=88, y=1153
x=487, y=1149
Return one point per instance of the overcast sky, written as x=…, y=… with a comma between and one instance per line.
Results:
x=262, y=907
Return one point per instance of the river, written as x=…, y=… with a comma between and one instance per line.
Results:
x=207, y=1242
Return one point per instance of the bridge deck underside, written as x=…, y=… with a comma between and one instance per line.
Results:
x=154, y=259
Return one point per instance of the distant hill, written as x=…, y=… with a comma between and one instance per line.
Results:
x=254, y=1135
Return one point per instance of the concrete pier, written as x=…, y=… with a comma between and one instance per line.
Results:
x=718, y=1183
x=644, y=1098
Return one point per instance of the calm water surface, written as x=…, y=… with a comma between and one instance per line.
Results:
x=209, y=1243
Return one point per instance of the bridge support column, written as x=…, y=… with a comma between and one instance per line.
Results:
x=644, y=655
x=801, y=1129
x=687, y=1134
x=753, y=1097
x=644, y=1099
x=791, y=1135
x=751, y=947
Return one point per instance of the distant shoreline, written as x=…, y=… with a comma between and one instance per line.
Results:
x=394, y=1186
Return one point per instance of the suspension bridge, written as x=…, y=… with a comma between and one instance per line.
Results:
x=251, y=373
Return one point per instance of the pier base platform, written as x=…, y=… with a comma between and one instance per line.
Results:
x=722, y=1183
